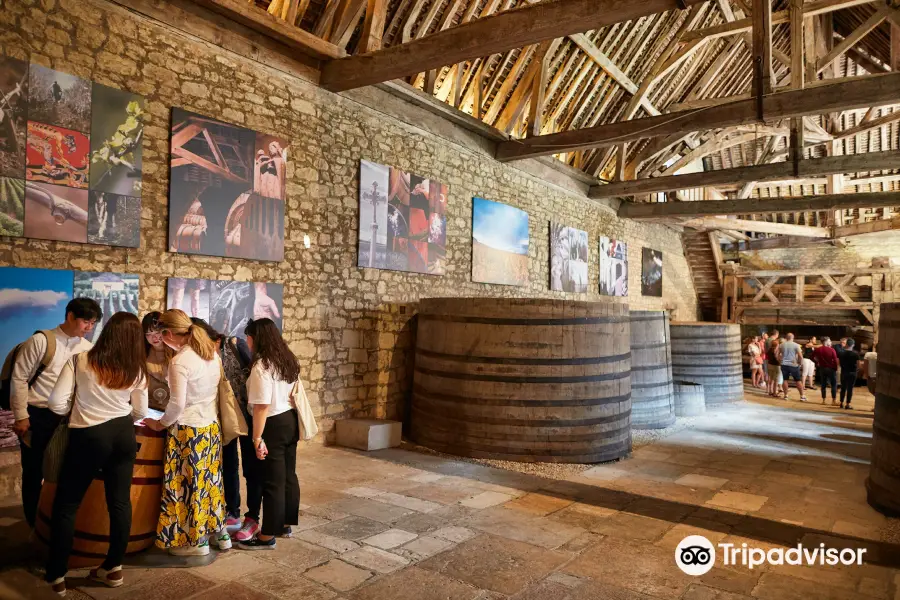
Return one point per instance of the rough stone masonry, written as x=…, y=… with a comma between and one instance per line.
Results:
x=351, y=328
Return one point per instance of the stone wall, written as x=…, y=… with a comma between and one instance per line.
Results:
x=856, y=254
x=352, y=328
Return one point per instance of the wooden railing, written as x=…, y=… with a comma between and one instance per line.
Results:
x=808, y=296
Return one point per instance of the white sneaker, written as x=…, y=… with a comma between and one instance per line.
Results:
x=201, y=550
x=223, y=540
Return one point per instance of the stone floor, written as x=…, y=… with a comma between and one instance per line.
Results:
x=400, y=525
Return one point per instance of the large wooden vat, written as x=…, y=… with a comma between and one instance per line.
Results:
x=523, y=380
x=709, y=354
x=883, y=484
x=652, y=395
x=92, y=521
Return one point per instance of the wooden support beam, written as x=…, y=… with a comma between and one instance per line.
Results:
x=798, y=78
x=868, y=227
x=756, y=206
x=779, y=243
x=837, y=288
x=261, y=21
x=706, y=223
x=530, y=24
x=854, y=38
x=854, y=163
x=810, y=10
x=763, y=80
x=717, y=254
x=373, y=27
x=875, y=91
x=895, y=46
x=538, y=86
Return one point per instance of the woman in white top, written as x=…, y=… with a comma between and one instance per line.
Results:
x=193, y=506
x=106, y=389
x=276, y=432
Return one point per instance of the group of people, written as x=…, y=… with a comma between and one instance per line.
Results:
x=175, y=365
x=776, y=360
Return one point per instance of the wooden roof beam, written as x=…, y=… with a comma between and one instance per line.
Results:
x=875, y=91
x=756, y=206
x=707, y=223
x=516, y=28
x=855, y=37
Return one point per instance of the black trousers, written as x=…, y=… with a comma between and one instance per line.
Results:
x=848, y=381
x=231, y=480
x=828, y=376
x=108, y=449
x=43, y=423
x=280, y=487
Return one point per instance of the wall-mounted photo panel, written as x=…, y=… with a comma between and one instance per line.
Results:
x=234, y=303
x=117, y=136
x=56, y=212
x=613, y=267
x=12, y=207
x=114, y=292
x=499, y=243
x=30, y=300
x=219, y=176
x=14, y=111
x=651, y=273
x=57, y=155
x=190, y=295
x=114, y=220
x=402, y=220
x=58, y=98
x=568, y=259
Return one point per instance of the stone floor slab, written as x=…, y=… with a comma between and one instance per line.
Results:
x=486, y=500
x=353, y=528
x=375, y=559
x=424, y=547
x=287, y=584
x=408, y=502
x=416, y=584
x=633, y=527
x=701, y=481
x=738, y=501
x=514, y=525
x=339, y=575
x=454, y=534
x=390, y=539
x=538, y=504
x=496, y=564
x=373, y=509
x=334, y=543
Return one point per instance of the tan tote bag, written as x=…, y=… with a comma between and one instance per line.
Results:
x=231, y=419
x=305, y=418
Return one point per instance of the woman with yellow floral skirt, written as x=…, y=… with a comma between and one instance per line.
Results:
x=193, y=504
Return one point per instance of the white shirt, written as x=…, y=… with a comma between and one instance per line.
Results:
x=29, y=359
x=264, y=387
x=94, y=403
x=193, y=390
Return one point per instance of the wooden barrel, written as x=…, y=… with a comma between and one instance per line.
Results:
x=709, y=354
x=92, y=520
x=523, y=380
x=652, y=396
x=883, y=484
x=690, y=400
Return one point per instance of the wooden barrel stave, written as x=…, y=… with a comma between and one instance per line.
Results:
x=709, y=354
x=883, y=484
x=690, y=399
x=525, y=380
x=91, y=540
x=652, y=396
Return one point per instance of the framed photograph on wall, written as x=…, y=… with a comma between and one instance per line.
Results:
x=651, y=273
x=499, y=243
x=613, y=267
x=568, y=259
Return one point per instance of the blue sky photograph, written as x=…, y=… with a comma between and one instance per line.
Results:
x=500, y=226
x=31, y=299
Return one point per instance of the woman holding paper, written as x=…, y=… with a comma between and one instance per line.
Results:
x=276, y=431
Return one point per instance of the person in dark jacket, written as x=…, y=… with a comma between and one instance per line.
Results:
x=849, y=360
x=826, y=360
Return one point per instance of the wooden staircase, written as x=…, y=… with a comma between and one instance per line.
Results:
x=700, y=257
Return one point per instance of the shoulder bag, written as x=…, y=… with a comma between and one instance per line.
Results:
x=305, y=418
x=55, y=453
x=231, y=419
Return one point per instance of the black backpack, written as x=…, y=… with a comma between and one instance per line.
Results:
x=10, y=362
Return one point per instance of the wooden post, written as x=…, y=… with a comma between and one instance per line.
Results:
x=457, y=85
x=762, y=47
x=373, y=26
x=799, y=294
x=538, y=87
x=717, y=254
x=797, y=80
x=479, y=91
x=430, y=80
x=620, y=162
x=895, y=46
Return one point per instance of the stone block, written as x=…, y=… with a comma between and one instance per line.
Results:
x=368, y=434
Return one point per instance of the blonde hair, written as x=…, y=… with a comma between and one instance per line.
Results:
x=179, y=323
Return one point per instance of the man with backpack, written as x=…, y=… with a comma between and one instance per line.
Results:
x=35, y=366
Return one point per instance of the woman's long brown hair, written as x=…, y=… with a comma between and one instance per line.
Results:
x=270, y=349
x=119, y=358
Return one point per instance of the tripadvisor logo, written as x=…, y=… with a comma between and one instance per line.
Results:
x=696, y=555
